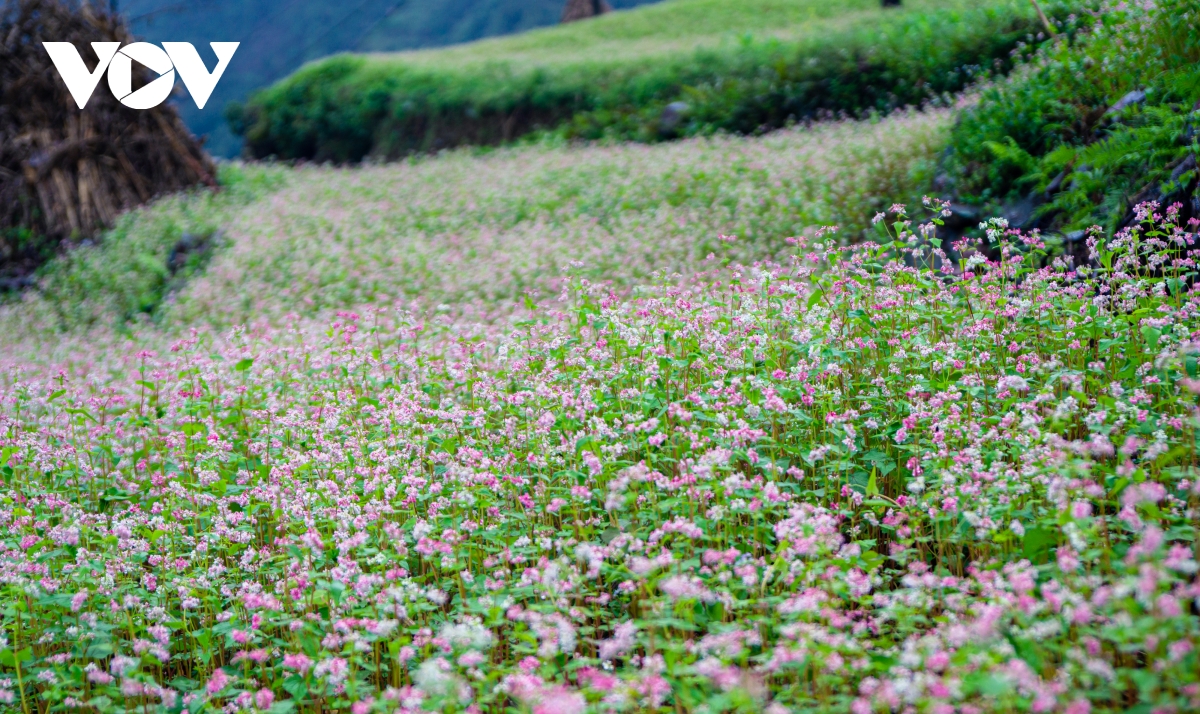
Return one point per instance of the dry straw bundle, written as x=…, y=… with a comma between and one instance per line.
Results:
x=67, y=173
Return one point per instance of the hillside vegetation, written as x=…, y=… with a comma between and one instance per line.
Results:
x=739, y=67
x=471, y=232
x=1094, y=127
x=279, y=36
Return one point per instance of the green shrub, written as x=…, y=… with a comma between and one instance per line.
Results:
x=134, y=267
x=1053, y=121
x=348, y=106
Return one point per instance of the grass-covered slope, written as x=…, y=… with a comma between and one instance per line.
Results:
x=1060, y=132
x=738, y=66
x=473, y=231
x=839, y=484
x=279, y=36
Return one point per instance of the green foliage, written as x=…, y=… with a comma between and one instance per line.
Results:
x=850, y=58
x=1053, y=119
x=127, y=274
x=278, y=37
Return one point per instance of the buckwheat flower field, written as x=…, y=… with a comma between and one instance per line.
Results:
x=844, y=480
x=473, y=235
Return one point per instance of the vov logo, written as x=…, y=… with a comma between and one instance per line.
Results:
x=165, y=60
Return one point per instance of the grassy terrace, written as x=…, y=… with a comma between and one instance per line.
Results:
x=744, y=68
x=665, y=29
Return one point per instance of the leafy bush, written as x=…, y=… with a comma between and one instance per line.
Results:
x=1051, y=121
x=347, y=107
x=839, y=484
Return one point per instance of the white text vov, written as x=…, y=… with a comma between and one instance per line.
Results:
x=118, y=61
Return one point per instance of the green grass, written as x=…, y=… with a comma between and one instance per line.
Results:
x=663, y=29
x=740, y=67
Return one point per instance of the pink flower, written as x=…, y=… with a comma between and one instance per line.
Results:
x=298, y=662
x=561, y=700
x=859, y=582
x=264, y=698
x=1068, y=562
x=471, y=659
x=216, y=682
x=937, y=661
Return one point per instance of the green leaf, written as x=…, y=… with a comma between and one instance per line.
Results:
x=991, y=686
x=100, y=650
x=9, y=659
x=1037, y=544
x=1151, y=335
x=295, y=686
x=872, y=486
x=244, y=365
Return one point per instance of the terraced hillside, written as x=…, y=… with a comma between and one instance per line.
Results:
x=678, y=68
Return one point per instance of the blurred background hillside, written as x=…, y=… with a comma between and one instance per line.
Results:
x=278, y=36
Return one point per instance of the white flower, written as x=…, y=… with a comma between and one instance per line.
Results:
x=434, y=677
x=470, y=633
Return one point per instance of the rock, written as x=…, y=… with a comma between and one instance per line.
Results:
x=962, y=216
x=1056, y=185
x=15, y=284
x=1019, y=214
x=673, y=115
x=1184, y=166
x=188, y=245
x=1137, y=96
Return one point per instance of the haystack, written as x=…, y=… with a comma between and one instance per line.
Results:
x=66, y=173
x=583, y=9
